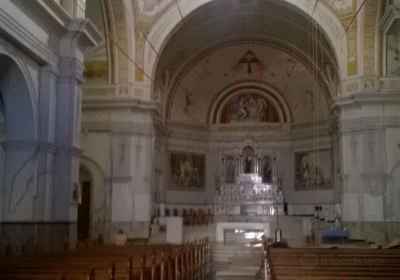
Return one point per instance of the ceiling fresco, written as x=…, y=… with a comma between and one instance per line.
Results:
x=193, y=94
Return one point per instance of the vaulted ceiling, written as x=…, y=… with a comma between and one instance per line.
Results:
x=280, y=36
x=230, y=20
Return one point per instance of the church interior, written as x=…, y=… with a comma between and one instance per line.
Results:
x=200, y=139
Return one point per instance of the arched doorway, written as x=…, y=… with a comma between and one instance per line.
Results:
x=84, y=206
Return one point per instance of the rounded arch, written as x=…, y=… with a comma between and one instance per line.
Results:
x=107, y=62
x=260, y=89
x=165, y=26
x=323, y=76
x=99, y=209
x=18, y=94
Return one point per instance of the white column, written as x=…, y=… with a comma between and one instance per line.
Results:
x=237, y=172
x=47, y=109
x=240, y=165
x=68, y=122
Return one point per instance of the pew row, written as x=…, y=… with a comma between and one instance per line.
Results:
x=145, y=262
x=330, y=264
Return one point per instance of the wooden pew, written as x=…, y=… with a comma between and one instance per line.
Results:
x=162, y=262
x=331, y=264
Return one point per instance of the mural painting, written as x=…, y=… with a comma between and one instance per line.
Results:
x=313, y=170
x=249, y=108
x=247, y=61
x=186, y=171
x=393, y=50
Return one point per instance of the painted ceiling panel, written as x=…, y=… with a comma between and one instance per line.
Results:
x=192, y=96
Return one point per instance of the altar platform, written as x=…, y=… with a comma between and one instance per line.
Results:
x=295, y=229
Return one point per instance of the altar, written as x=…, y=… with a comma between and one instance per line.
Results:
x=249, y=197
x=222, y=227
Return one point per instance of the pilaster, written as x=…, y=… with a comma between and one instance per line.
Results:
x=365, y=121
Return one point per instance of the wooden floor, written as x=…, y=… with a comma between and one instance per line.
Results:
x=133, y=262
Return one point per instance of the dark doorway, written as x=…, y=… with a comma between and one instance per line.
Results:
x=84, y=212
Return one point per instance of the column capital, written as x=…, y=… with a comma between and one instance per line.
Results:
x=50, y=69
x=71, y=69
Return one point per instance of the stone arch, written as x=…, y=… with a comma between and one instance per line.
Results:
x=99, y=207
x=15, y=73
x=369, y=34
x=19, y=151
x=267, y=92
x=165, y=26
x=324, y=78
x=123, y=39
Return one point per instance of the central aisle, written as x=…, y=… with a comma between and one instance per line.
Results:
x=237, y=262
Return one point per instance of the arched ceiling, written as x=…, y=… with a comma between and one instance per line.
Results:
x=217, y=76
x=292, y=50
x=227, y=20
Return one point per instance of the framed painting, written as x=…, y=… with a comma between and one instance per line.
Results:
x=186, y=171
x=313, y=170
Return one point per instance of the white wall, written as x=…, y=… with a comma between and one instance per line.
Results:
x=279, y=144
x=370, y=156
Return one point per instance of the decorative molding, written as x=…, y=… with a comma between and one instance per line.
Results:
x=359, y=98
x=55, y=12
x=390, y=15
x=37, y=49
x=362, y=124
x=124, y=179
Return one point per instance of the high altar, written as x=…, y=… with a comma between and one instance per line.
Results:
x=254, y=190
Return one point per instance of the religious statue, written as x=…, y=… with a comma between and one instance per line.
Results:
x=267, y=172
x=230, y=173
x=247, y=164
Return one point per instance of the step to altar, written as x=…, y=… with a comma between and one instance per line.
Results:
x=244, y=262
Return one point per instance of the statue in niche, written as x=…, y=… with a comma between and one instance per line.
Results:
x=267, y=170
x=247, y=164
x=230, y=172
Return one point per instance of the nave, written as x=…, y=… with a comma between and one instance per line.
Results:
x=244, y=255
